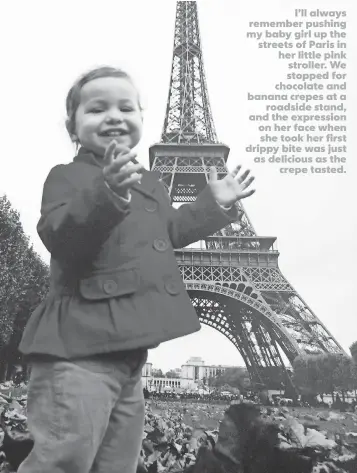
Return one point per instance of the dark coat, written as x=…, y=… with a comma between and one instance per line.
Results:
x=115, y=283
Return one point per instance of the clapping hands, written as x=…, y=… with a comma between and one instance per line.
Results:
x=120, y=173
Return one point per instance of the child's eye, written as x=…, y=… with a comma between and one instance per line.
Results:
x=127, y=109
x=96, y=110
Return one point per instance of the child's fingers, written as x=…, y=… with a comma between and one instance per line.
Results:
x=109, y=155
x=236, y=170
x=121, y=160
x=213, y=175
x=116, y=180
x=128, y=182
x=248, y=182
x=114, y=149
x=118, y=164
x=243, y=177
x=128, y=171
x=121, y=150
x=246, y=194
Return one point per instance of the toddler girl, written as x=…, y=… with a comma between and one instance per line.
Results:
x=115, y=290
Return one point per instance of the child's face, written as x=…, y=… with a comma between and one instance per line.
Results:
x=109, y=109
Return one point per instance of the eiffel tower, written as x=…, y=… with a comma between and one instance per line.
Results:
x=233, y=277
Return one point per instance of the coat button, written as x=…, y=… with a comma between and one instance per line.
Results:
x=151, y=206
x=110, y=286
x=172, y=287
x=160, y=244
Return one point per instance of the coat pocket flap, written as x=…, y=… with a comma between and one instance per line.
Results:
x=104, y=286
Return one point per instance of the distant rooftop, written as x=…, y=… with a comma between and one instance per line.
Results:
x=195, y=358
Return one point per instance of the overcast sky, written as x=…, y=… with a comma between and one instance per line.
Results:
x=46, y=45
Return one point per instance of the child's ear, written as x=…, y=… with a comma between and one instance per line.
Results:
x=71, y=132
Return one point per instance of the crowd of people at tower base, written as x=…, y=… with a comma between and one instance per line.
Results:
x=251, y=396
x=193, y=396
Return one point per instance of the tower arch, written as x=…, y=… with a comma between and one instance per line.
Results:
x=241, y=319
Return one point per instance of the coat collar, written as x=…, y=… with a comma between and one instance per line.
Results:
x=148, y=182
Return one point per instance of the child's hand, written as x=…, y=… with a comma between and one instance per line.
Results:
x=232, y=187
x=118, y=174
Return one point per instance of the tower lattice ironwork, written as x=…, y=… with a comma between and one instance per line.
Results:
x=233, y=277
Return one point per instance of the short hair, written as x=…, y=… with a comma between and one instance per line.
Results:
x=73, y=97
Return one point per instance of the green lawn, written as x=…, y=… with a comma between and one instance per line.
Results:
x=209, y=416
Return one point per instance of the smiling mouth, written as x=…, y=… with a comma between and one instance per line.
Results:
x=114, y=133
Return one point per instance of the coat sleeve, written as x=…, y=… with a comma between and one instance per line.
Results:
x=197, y=220
x=75, y=222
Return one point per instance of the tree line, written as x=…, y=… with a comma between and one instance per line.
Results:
x=24, y=281
x=312, y=375
x=326, y=374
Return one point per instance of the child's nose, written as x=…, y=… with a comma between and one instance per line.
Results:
x=114, y=116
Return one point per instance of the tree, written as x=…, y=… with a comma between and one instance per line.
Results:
x=306, y=374
x=321, y=374
x=35, y=287
x=157, y=373
x=327, y=365
x=354, y=377
x=13, y=245
x=233, y=377
x=353, y=350
x=24, y=281
x=172, y=374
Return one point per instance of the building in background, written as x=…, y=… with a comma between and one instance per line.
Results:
x=192, y=376
x=195, y=369
x=146, y=372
